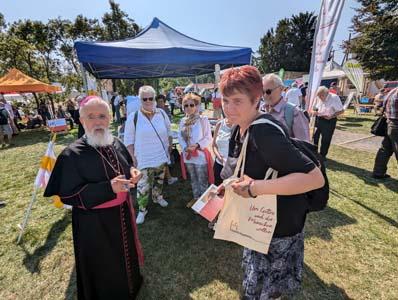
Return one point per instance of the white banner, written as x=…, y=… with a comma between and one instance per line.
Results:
x=326, y=25
x=354, y=72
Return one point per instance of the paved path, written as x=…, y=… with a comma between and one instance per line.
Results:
x=358, y=141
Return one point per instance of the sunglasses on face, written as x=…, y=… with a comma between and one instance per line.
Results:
x=190, y=105
x=147, y=99
x=269, y=91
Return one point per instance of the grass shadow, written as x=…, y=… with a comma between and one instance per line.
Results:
x=363, y=174
x=320, y=224
x=392, y=222
x=70, y=293
x=315, y=288
x=32, y=261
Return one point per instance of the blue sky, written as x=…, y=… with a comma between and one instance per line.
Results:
x=226, y=22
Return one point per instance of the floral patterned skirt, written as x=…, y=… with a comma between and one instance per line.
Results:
x=268, y=276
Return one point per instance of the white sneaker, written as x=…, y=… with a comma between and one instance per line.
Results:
x=141, y=216
x=162, y=202
x=172, y=180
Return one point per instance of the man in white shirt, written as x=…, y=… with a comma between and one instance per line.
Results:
x=172, y=98
x=294, y=95
x=326, y=110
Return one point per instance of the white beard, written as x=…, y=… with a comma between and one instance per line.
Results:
x=96, y=139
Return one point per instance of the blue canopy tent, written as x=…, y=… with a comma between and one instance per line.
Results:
x=157, y=51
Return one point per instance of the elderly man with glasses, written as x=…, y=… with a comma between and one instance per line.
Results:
x=286, y=113
x=148, y=138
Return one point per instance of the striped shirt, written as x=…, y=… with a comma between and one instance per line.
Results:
x=392, y=104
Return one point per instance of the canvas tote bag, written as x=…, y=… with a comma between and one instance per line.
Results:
x=249, y=222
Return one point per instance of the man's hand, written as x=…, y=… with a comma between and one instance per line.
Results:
x=121, y=184
x=136, y=175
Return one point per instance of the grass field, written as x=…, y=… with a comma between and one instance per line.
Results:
x=351, y=247
x=352, y=122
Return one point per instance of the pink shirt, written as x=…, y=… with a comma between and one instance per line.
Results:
x=300, y=128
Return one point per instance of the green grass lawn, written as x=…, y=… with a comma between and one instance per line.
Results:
x=352, y=122
x=351, y=247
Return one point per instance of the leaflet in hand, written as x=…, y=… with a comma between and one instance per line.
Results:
x=209, y=204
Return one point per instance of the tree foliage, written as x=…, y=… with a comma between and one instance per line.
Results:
x=44, y=50
x=289, y=46
x=376, y=43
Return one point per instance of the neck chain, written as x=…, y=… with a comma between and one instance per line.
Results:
x=117, y=171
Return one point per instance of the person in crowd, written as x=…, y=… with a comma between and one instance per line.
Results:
x=62, y=114
x=285, y=112
x=327, y=107
x=172, y=98
x=303, y=90
x=222, y=134
x=94, y=176
x=161, y=104
x=194, y=137
x=334, y=88
x=294, y=95
x=278, y=273
x=5, y=128
x=116, y=102
x=147, y=136
x=123, y=112
x=389, y=145
x=71, y=108
x=17, y=117
x=216, y=100
x=10, y=111
x=379, y=101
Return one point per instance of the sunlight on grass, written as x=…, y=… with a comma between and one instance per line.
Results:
x=351, y=247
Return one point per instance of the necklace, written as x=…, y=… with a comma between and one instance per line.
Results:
x=117, y=171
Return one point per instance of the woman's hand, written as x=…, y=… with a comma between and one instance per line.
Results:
x=121, y=184
x=241, y=186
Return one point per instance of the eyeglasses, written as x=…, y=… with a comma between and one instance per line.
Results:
x=147, y=99
x=190, y=105
x=269, y=91
x=100, y=117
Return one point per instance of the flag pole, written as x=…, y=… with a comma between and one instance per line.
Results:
x=27, y=214
x=32, y=201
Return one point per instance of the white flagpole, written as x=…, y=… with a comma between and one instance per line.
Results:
x=27, y=214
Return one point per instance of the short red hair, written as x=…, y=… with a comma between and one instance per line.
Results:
x=246, y=80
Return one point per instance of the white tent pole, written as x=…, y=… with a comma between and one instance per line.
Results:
x=27, y=214
x=84, y=76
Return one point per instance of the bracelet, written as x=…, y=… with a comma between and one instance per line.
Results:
x=249, y=190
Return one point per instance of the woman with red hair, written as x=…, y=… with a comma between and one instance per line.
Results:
x=268, y=276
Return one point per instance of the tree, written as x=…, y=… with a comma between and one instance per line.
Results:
x=117, y=26
x=376, y=45
x=289, y=46
x=2, y=22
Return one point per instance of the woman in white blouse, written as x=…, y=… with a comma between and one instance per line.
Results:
x=222, y=134
x=147, y=136
x=194, y=136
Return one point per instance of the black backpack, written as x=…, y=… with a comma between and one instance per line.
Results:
x=3, y=116
x=317, y=199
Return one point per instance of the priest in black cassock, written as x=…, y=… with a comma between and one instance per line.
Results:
x=94, y=175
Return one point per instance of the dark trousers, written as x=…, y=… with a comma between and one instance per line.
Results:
x=217, y=171
x=172, y=106
x=389, y=145
x=324, y=128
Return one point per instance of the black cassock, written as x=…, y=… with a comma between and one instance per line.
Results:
x=107, y=249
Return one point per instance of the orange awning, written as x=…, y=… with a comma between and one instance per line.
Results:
x=17, y=82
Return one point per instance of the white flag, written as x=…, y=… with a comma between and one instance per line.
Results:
x=326, y=25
